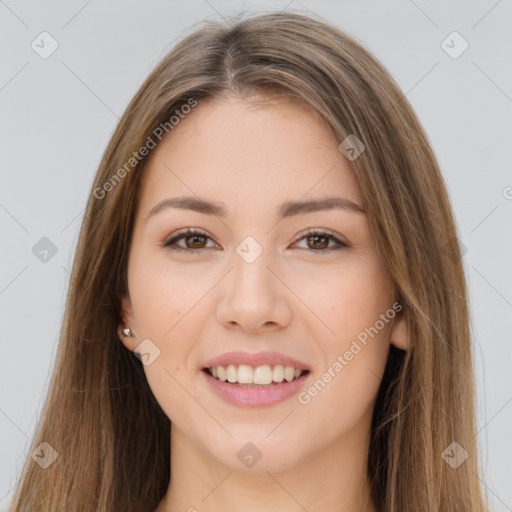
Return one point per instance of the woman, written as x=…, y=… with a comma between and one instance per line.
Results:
x=267, y=308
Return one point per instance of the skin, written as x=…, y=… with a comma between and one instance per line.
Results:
x=297, y=299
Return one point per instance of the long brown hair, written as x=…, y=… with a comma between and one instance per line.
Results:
x=112, y=437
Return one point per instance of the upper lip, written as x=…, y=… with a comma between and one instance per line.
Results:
x=255, y=359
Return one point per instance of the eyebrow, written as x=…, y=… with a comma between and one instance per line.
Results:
x=287, y=209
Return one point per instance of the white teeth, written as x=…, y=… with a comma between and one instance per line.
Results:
x=262, y=375
x=231, y=373
x=245, y=374
x=288, y=373
x=259, y=375
x=221, y=373
x=278, y=373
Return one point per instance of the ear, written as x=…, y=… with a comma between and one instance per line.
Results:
x=127, y=321
x=398, y=336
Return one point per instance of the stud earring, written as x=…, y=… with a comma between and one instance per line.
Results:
x=127, y=332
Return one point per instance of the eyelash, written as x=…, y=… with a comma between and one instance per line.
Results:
x=192, y=232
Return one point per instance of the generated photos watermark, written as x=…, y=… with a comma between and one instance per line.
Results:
x=143, y=151
x=344, y=359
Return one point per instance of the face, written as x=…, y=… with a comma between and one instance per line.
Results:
x=256, y=288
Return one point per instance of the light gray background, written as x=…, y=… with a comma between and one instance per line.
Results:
x=57, y=115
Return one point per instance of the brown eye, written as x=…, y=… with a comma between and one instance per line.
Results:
x=196, y=241
x=318, y=241
x=193, y=241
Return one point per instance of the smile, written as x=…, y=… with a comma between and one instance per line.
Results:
x=249, y=376
x=251, y=394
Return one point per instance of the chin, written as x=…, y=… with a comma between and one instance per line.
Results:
x=258, y=453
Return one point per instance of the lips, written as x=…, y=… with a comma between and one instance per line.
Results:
x=255, y=380
x=255, y=359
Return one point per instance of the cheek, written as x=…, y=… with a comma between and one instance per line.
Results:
x=163, y=296
x=348, y=297
x=344, y=390
x=163, y=305
x=355, y=347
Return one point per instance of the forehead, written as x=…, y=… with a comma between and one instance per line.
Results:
x=233, y=150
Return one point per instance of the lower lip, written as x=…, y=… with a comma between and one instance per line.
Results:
x=255, y=397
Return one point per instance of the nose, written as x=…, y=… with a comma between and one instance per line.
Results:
x=254, y=297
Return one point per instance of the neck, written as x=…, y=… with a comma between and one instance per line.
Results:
x=335, y=480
